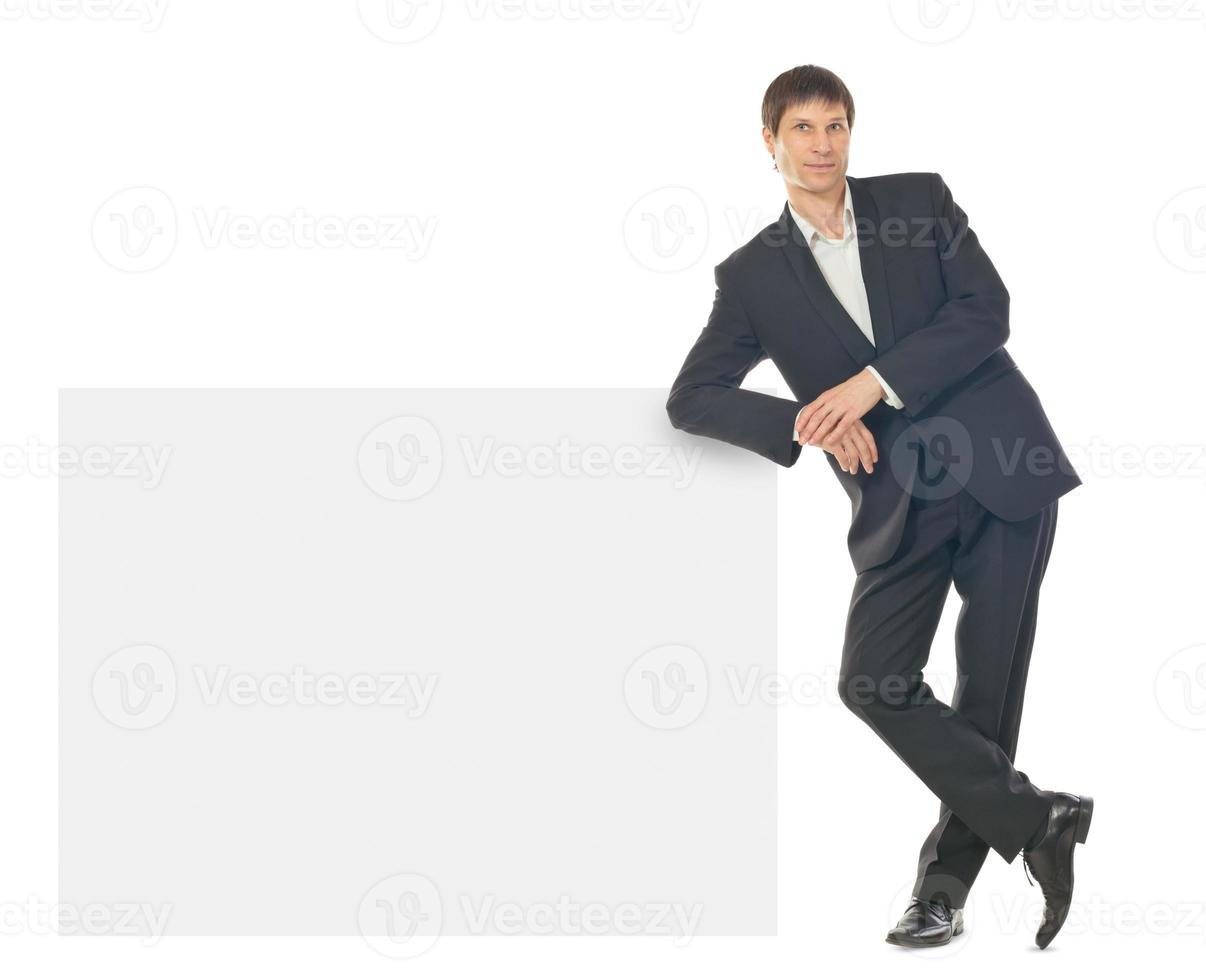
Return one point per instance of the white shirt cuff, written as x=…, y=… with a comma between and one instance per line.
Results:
x=889, y=395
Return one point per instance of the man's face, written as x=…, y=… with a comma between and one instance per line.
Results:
x=812, y=146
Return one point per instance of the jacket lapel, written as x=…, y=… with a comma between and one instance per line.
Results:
x=870, y=252
x=871, y=258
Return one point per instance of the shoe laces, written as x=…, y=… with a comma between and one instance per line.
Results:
x=1026, y=867
x=943, y=910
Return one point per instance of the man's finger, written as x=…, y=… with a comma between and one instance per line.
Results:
x=864, y=453
x=871, y=443
x=851, y=451
x=870, y=437
x=863, y=440
x=827, y=424
x=852, y=455
x=821, y=424
x=835, y=449
x=843, y=424
x=805, y=415
x=812, y=418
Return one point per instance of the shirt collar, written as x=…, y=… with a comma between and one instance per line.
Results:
x=807, y=228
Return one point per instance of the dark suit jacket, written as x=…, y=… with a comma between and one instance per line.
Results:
x=941, y=317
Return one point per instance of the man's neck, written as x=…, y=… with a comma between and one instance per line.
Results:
x=825, y=212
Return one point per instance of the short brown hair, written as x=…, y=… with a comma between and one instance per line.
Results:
x=803, y=84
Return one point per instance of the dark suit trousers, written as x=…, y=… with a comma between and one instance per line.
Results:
x=963, y=751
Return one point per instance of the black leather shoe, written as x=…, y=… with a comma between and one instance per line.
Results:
x=1050, y=860
x=926, y=924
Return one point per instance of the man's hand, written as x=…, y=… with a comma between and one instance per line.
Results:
x=858, y=446
x=835, y=410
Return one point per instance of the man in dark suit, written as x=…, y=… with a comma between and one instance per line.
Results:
x=876, y=302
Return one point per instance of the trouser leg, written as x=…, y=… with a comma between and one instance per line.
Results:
x=893, y=615
x=998, y=571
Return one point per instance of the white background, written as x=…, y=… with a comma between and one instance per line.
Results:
x=1069, y=133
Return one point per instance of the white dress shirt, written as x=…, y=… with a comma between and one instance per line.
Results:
x=839, y=262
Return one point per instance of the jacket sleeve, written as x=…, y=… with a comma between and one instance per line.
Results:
x=966, y=329
x=706, y=398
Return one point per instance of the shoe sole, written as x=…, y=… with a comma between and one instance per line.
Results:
x=925, y=943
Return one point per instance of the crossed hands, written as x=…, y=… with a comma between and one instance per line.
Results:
x=833, y=421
